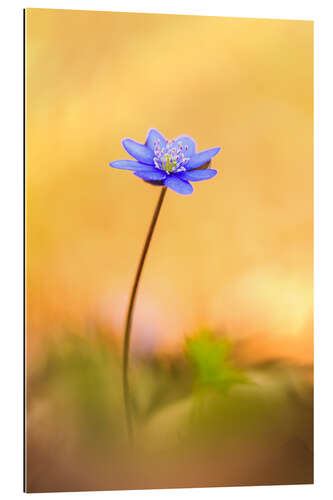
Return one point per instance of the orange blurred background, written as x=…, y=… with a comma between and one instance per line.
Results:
x=237, y=255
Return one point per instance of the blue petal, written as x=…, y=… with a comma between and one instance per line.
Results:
x=178, y=185
x=129, y=165
x=201, y=158
x=139, y=151
x=199, y=175
x=151, y=175
x=186, y=140
x=154, y=135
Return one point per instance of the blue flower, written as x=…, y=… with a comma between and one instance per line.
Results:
x=170, y=163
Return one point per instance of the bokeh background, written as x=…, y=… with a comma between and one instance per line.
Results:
x=230, y=265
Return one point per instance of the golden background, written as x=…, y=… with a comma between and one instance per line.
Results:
x=236, y=256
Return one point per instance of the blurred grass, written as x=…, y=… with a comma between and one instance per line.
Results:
x=197, y=404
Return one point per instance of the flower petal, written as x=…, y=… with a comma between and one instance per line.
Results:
x=199, y=175
x=129, y=165
x=154, y=135
x=178, y=185
x=151, y=175
x=139, y=151
x=186, y=140
x=200, y=158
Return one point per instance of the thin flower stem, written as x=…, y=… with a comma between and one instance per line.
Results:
x=127, y=333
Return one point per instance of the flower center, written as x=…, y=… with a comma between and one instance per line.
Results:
x=171, y=157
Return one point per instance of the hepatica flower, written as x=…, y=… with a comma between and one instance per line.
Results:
x=171, y=164
x=174, y=164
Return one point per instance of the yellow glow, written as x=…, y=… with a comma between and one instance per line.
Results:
x=237, y=254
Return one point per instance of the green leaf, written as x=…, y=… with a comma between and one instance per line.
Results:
x=209, y=357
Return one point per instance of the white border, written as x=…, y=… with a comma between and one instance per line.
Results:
x=294, y=9
x=11, y=249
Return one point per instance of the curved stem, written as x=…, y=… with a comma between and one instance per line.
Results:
x=129, y=316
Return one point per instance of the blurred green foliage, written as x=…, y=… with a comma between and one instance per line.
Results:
x=210, y=359
x=80, y=378
x=199, y=396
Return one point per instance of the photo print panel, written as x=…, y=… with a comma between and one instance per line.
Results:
x=169, y=251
